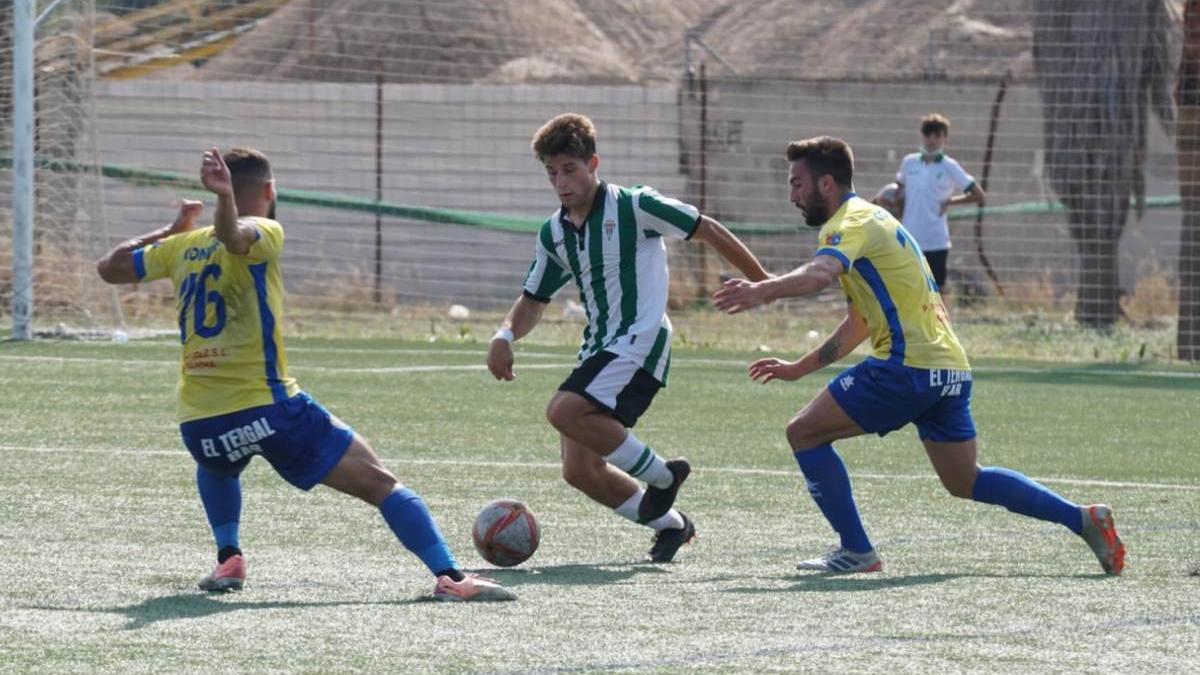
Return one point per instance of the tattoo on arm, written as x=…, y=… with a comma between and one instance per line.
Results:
x=829, y=351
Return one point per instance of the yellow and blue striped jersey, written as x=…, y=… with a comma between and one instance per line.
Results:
x=229, y=309
x=889, y=281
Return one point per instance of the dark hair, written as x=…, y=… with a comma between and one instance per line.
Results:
x=248, y=168
x=825, y=155
x=567, y=134
x=934, y=123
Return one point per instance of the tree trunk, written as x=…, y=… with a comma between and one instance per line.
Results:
x=6, y=49
x=1188, y=338
x=1096, y=223
x=1101, y=68
x=1187, y=140
x=1096, y=300
x=1188, y=145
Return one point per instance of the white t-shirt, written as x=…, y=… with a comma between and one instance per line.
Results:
x=926, y=186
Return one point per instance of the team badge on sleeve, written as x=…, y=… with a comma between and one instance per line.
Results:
x=833, y=240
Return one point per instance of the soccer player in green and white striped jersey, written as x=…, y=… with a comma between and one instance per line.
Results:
x=610, y=241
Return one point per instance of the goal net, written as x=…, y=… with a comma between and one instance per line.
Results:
x=70, y=223
x=399, y=131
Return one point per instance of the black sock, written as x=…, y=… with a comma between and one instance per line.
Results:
x=227, y=553
x=454, y=574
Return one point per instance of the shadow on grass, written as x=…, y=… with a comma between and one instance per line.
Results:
x=197, y=605
x=598, y=574
x=837, y=583
x=831, y=583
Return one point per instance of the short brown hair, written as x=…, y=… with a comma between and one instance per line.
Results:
x=248, y=168
x=567, y=134
x=825, y=155
x=934, y=123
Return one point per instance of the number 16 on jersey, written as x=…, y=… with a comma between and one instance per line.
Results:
x=195, y=296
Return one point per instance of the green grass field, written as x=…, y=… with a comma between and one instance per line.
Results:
x=103, y=535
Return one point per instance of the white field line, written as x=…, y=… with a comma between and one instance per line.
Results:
x=383, y=351
x=685, y=361
x=301, y=368
x=424, y=369
x=401, y=461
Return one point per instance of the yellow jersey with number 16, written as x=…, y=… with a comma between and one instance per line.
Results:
x=889, y=281
x=229, y=308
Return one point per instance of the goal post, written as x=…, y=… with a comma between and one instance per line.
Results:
x=22, y=157
x=53, y=223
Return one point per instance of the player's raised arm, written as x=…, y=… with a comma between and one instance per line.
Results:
x=524, y=315
x=118, y=265
x=738, y=295
x=237, y=236
x=729, y=247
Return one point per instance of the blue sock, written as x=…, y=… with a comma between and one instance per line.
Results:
x=409, y=518
x=829, y=485
x=1017, y=493
x=222, y=499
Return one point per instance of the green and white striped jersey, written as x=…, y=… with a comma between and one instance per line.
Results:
x=619, y=262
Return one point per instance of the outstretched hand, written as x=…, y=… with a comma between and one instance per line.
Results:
x=765, y=370
x=214, y=174
x=738, y=295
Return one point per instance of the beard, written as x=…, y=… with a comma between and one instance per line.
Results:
x=271, y=210
x=815, y=212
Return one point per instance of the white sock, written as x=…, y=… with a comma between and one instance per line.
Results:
x=636, y=459
x=629, y=511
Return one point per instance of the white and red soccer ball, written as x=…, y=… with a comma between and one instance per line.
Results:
x=506, y=533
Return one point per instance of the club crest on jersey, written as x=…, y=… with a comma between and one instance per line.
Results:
x=609, y=226
x=833, y=240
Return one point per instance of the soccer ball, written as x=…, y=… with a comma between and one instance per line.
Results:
x=506, y=533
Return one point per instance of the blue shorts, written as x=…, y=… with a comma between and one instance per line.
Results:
x=881, y=397
x=297, y=436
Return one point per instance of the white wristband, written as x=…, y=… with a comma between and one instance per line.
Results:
x=505, y=334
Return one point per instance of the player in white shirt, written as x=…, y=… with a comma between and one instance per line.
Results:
x=609, y=240
x=930, y=182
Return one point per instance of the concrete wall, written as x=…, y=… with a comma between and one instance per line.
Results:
x=467, y=147
x=458, y=147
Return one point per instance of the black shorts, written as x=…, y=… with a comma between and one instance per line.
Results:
x=937, y=265
x=615, y=384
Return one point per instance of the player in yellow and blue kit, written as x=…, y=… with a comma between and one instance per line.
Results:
x=918, y=372
x=235, y=398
